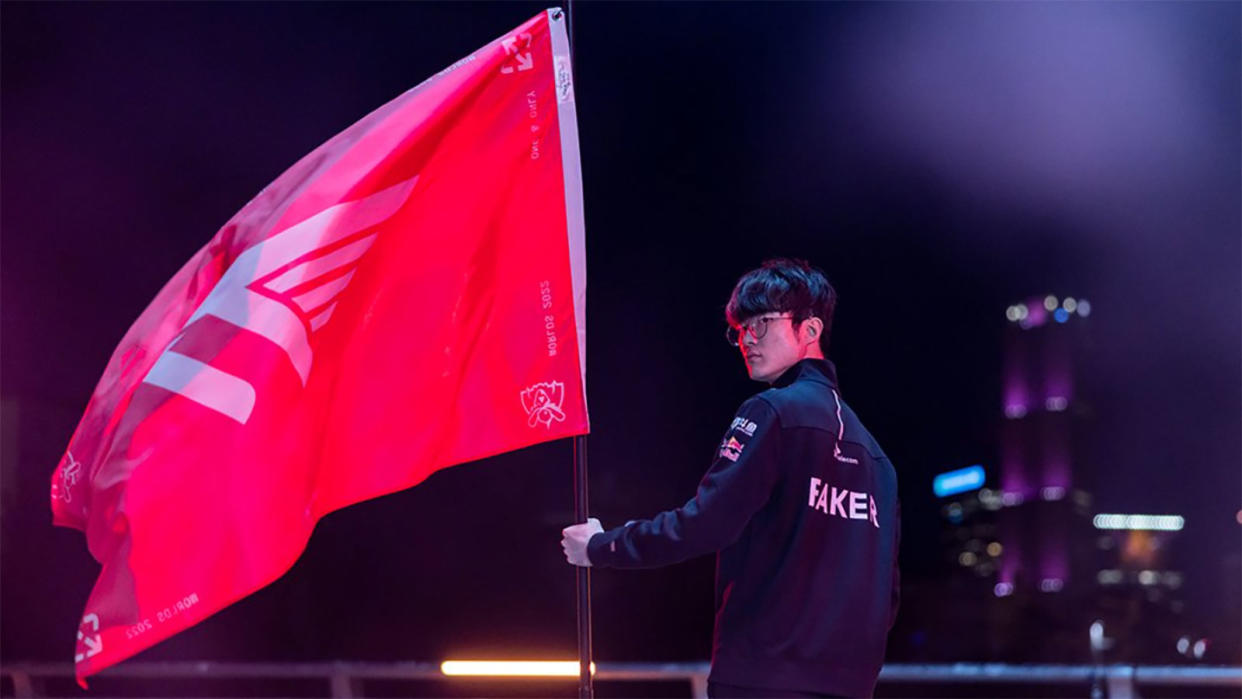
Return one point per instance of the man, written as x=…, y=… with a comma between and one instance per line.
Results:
x=801, y=503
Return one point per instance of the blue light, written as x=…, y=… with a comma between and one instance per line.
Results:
x=1061, y=315
x=959, y=481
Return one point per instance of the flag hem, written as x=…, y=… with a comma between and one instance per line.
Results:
x=571, y=168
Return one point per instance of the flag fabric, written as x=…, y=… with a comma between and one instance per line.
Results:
x=407, y=297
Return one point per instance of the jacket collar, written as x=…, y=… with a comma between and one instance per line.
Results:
x=818, y=370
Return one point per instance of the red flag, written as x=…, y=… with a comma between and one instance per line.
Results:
x=407, y=297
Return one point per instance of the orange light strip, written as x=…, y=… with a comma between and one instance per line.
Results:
x=511, y=668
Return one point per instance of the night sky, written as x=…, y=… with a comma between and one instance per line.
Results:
x=940, y=161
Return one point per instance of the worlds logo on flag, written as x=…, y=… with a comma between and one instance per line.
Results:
x=542, y=403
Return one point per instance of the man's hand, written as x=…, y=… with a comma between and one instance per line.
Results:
x=574, y=539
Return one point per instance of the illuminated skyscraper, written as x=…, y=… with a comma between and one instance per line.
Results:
x=1044, y=524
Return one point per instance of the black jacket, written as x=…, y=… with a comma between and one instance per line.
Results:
x=801, y=503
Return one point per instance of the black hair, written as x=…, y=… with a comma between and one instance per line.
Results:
x=784, y=285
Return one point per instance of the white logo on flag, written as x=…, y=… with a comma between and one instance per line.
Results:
x=542, y=403
x=524, y=61
x=284, y=289
x=69, y=476
x=94, y=644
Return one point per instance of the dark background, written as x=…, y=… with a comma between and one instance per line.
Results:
x=940, y=161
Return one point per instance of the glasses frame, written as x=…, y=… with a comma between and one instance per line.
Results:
x=756, y=327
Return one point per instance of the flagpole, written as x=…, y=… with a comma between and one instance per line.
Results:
x=581, y=512
x=569, y=27
x=581, y=508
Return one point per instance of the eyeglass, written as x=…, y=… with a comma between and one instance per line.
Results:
x=756, y=327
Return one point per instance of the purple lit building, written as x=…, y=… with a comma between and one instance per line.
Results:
x=1020, y=548
x=1044, y=524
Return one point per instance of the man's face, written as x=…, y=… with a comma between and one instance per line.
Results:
x=770, y=345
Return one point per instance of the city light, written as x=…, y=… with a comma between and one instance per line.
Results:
x=991, y=499
x=1147, y=577
x=954, y=512
x=1163, y=523
x=1200, y=648
x=1060, y=315
x=1109, y=577
x=512, y=668
x=1183, y=645
x=967, y=559
x=1052, y=493
x=1051, y=584
x=1011, y=499
x=1012, y=314
x=1002, y=589
x=1033, y=316
x=995, y=549
x=1015, y=411
x=1056, y=404
x=1097, y=635
x=1050, y=303
x=959, y=481
x=1069, y=304
x=1084, y=308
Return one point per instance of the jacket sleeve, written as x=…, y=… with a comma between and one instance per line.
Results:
x=738, y=483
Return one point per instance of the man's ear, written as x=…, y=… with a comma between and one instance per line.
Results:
x=813, y=327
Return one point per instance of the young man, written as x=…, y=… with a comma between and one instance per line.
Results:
x=801, y=503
